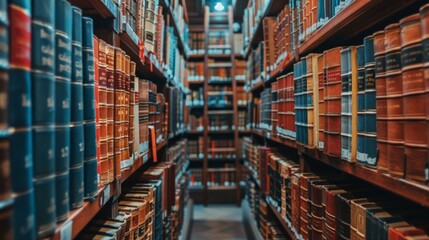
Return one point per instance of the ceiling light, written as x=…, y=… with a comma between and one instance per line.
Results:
x=219, y=7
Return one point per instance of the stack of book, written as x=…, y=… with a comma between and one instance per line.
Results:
x=195, y=98
x=141, y=207
x=196, y=177
x=218, y=177
x=195, y=71
x=265, y=109
x=175, y=111
x=221, y=122
x=240, y=70
x=196, y=42
x=252, y=17
x=177, y=154
x=195, y=123
x=286, y=106
x=221, y=149
x=195, y=148
x=219, y=42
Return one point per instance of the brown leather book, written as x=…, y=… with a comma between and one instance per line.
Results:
x=424, y=20
x=395, y=124
x=413, y=86
x=296, y=197
x=332, y=66
x=381, y=101
x=321, y=101
x=269, y=24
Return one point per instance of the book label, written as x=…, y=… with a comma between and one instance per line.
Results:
x=62, y=201
x=76, y=144
x=66, y=231
x=44, y=191
x=44, y=151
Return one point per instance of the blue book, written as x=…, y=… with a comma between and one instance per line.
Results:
x=361, y=154
x=346, y=104
x=321, y=10
x=63, y=31
x=76, y=186
x=19, y=117
x=44, y=192
x=370, y=103
x=77, y=67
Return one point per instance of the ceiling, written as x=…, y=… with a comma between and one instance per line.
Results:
x=195, y=10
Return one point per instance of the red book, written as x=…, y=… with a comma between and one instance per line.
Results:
x=332, y=99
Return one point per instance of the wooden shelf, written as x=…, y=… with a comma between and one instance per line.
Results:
x=413, y=191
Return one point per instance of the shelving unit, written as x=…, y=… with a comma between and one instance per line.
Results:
x=358, y=19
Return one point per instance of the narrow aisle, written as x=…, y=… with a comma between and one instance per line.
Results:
x=218, y=222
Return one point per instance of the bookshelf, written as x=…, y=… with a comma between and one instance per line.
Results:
x=132, y=119
x=360, y=18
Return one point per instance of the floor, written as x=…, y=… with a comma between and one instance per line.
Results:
x=218, y=222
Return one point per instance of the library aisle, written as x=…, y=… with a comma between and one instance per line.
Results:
x=217, y=222
x=214, y=119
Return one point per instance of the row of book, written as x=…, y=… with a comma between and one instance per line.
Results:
x=176, y=114
x=296, y=23
x=196, y=42
x=331, y=206
x=340, y=109
x=178, y=154
x=141, y=208
x=195, y=71
x=195, y=98
x=47, y=112
x=195, y=123
x=196, y=148
x=216, y=177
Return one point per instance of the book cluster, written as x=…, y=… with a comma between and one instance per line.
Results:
x=359, y=103
x=326, y=205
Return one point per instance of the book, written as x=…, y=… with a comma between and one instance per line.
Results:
x=43, y=114
x=77, y=135
x=90, y=152
x=332, y=101
x=395, y=124
x=425, y=42
x=413, y=87
x=321, y=102
x=63, y=31
x=381, y=101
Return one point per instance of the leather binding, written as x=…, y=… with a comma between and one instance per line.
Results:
x=270, y=25
x=413, y=86
x=90, y=152
x=119, y=112
x=109, y=104
x=424, y=20
x=354, y=208
x=274, y=107
x=19, y=117
x=312, y=97
x=263, y=168
x=105, y=177
x=318, y=208
x=296, y=200
x=43, y=114
x=370, y=104
x=305, y=204
x=328, y=195
x=160, y=30
x=332, y=66
x=381, y=100
x=321, y=102
x=395, y=124
x=63, y=31
x=361, y=154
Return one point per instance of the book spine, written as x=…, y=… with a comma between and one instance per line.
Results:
x=321, y=103
x=413, y=86
x=394, y=93
x=424, y=21
x=381, y=102
x=109, y=104
x=102, y=104
x=118, y=111
x=43, y=98
x=361, y=153
x=90, y=152
x=346, y=104
x=370, y=138
x=63, y=30
x=5, y=178
x=97, y=109
x=77, y=138
x=333, y=102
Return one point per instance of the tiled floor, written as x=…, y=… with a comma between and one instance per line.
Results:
x=218, y=222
